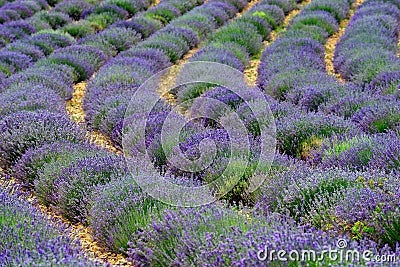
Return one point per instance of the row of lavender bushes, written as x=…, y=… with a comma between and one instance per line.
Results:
x=367, y=52
x=300, y=206
x=39, y=36
x=16, y=10
x=29, y=238
x=39, y=143
x=82, y=58
x=346, y=133
x=105, y=100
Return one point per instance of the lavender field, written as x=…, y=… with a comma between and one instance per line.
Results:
x=199, y=133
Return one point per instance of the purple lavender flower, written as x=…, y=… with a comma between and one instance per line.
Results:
x=33, y=160
x=58, y=78
x=29, y=238
x=73, y=183
x=38, y=98
x=23, y=130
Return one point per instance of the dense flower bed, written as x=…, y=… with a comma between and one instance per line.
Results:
x=29, y=238
x=335, y=175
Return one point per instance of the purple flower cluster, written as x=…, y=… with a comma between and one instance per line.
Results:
x=378, y=151
x=21, y=9
x=25, y=129
x=218, y=236
x=368, y=47
x=29, y=238
x=19, y=55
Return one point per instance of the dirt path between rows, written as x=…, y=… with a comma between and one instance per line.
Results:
x=330, y=44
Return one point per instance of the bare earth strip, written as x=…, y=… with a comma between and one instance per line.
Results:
x=251, y=71
x=330, y=44
x=168, y=80
x=76, y=113
x=398, y=47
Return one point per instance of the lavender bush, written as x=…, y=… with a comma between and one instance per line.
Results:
x=119, y=209
x=73, y=183
x=59, y=154
x=29, y=238
x=378, y=151
x=39, y=98
x=23, y=130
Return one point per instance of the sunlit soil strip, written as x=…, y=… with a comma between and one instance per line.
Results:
x=76, y=113
x=168, y=80
x=251, y=71
x=75, y=231
x=330, y=44
x=398, y=47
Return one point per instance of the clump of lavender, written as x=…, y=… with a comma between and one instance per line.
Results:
x=298, y=135
x=29, y=238
x=72, y=8
x=381, y=116
x=35, y=159
x=119, y=209
x=378, y=151
x=23, y=130
x=71, y=186
x=38, y=98
x=294, y=191
x=367, y=209
x=59, y=78
x=216, y=235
